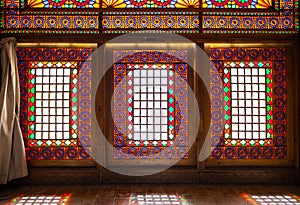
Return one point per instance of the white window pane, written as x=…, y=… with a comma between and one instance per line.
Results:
x=242, y=127
x=241, y=71
x=262, y=71
x=235, y=135
x=247, y=71
x=46, y=71
x=157, y=96
x=241, y=79
x=254, y=79
x=241, y=103
x=233, y=79
x=38, y=135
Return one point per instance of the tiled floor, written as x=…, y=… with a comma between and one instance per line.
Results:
x=151, y=194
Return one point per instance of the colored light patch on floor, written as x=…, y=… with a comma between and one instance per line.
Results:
x=41, y=200
x=157, y=199
x=288, y=199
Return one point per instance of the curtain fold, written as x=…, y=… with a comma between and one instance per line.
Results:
x=12, y=152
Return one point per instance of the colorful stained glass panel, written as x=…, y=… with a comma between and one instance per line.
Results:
x=63, y=3
x=150, y=104
x=55, y=102
x=254, y=112
x=254, y=4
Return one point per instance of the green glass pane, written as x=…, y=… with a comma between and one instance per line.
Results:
x=268, y=126
x=74, y=99
x=31, y=118
x=268, y=89
x=252, y=142
x=32, y=108
x=137, y=143
x=146, y=143
x=58, y=142
x=243, y=142
x=171, y=100
x=32, y=90
x=164, y=143
x=251, y=64
x=171, y=127
x=74, y=90
x=226, y=107
x=155, y=143
x=49, y=143
x=32, y=81
x=74, y=117
x=242, y=64
x=227, y=117
x=268, y=80
x=171, y=118
x=226, y=89
x=234, y=142
x=268, y=99
x=268, y=107
x=39, y=143
x=31, y=127
x=171, y=109
x=68, y=142
x=268, y=71
x=49, y=64
x=31, y=136
x=32, y=99
x=260, y=64
x=226, y=98
x=171, y=91
x=261, y=142
x=268, y=117
x=74, y=81
x=74, y=126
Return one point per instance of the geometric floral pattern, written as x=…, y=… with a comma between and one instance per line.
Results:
x=34, y=60
x=274, y=144
x=171, y=141
x=74, y=17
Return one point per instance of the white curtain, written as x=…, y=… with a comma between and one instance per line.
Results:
x=12, y=152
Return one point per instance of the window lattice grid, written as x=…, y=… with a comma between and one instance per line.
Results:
x=248, y=103
x=53, y=90
x=53, y=103
x=150, y=108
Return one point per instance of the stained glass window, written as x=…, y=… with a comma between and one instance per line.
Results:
x=55, y=101
x=123, y=16
x=63, y=3
x=150, y=104
x=254, y=98
x=259, y=4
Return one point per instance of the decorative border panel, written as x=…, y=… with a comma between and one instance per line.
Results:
x=80, y=135
x=275, y=144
